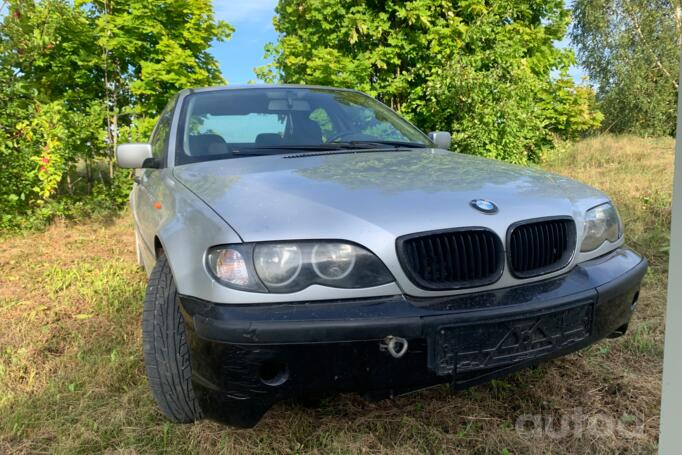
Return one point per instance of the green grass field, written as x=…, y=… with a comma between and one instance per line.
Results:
x=72, y=378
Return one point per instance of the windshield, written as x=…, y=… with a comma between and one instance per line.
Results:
x=227, y=124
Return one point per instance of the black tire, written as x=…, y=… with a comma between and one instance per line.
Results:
x=166, y=354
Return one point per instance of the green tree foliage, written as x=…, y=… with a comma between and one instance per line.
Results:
x=630, y=49
x=77, y=76
x=480, y=69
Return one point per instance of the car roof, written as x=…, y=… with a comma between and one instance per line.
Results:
x=264, y=86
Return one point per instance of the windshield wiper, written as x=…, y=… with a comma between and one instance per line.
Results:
x=260, y=150
x=315, y=147
x=378, y=143
x=325, y=147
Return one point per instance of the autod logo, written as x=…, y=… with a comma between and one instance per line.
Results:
x=484, y=205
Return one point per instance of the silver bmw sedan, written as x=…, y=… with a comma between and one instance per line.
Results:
x=303, y=241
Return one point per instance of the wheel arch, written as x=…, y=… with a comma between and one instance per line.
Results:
x=159, y=250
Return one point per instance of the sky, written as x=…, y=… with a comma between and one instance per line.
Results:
x=252, y=20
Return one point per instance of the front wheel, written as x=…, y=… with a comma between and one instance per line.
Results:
x=166, y=354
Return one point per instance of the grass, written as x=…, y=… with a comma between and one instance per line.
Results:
x=72, y=379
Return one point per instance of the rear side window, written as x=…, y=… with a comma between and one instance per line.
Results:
x=238, y=128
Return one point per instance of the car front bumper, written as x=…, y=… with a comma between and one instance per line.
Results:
x=247, y=357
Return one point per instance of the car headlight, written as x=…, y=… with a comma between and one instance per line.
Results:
x=292, y=266
x=278, y=265
x=333, y=261
x=602, y=223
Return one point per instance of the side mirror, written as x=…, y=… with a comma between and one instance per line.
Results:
x=442, y=139
x=133, y=156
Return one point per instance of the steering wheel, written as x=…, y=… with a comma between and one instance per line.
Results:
x=341, y=135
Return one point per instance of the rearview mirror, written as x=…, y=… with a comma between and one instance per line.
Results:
x=133, y=156
x=442, y=139
x=286, y=105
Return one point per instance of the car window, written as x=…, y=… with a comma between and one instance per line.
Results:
x=234, y=123
x=159, y=140
x=238, y=128
x=321, y=117
x=370, y=122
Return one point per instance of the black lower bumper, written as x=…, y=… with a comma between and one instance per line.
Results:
x=247, y=357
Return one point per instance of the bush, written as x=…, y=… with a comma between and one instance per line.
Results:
x=493, y=113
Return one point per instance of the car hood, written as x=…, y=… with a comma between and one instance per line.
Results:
x=369, y=197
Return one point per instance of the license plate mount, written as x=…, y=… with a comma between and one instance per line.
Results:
x=497, y=343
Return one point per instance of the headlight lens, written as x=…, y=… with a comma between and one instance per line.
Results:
x=293, y=266
x=230, y=266
x=233, y=267
x=602, y=223
x=333, y=261
x=278, y=265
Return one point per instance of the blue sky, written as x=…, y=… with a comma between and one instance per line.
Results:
x=252, y=20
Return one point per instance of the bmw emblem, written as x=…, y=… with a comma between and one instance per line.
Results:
x=484, y=206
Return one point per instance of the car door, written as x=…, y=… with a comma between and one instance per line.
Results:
x=148, y=189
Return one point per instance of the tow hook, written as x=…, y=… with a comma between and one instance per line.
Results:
x=396, y=346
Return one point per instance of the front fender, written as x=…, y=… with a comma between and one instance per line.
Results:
x=188, y=227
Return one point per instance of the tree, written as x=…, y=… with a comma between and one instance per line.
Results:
x=480, y=69
x=149, y=49
x=42, y=72
x=630, y=49
x=75, y=76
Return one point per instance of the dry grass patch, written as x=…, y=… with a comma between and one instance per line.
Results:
x=72, y=379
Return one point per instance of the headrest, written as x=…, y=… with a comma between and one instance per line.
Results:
x=207, y=144
x=269, y=139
